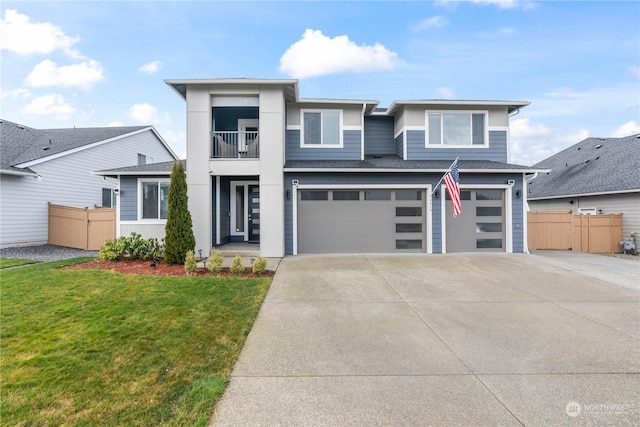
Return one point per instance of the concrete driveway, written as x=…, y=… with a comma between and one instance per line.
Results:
x=470, y=339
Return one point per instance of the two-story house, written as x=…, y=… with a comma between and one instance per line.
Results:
x=305, y=176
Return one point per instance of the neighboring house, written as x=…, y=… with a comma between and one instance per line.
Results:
x=594, y=176
x=338, y=175
x=56, y=165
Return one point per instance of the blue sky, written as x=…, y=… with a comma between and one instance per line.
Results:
x=83, y=64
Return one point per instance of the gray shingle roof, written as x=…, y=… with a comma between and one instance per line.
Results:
x=21, y=144
x=395, y=162
x=595, y=165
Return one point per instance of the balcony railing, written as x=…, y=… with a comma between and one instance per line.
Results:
x=235, y=145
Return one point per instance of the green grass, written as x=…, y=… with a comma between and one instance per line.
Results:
x=6, y=263
x=95, y=347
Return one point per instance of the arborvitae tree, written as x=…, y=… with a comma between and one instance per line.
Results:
x=179, y=237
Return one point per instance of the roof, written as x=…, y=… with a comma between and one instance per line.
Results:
x=22, y=145
x=163, y=168
x=392, y=163
x=590, y=167
x=512, y=106
x=180, y=85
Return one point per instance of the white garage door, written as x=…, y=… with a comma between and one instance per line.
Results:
x=361, y=221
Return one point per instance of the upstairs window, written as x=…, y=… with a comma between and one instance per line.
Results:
x=154, y=199
x=321, y=128
x=144, y=160
x=460, y=129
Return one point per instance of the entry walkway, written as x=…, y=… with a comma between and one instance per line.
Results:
x=469, y=339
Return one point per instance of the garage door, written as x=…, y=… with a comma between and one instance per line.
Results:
x=480, y=227
x=361, y=221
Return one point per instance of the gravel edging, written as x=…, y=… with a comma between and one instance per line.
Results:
x=44, y=253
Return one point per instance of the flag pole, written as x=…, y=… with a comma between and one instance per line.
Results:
x=445, y=174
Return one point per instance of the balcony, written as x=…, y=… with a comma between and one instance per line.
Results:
x=235, y=145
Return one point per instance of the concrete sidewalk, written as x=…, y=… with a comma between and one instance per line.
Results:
x=469, y=339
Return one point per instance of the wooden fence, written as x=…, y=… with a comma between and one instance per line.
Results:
x=81, y=228
x=581, y=233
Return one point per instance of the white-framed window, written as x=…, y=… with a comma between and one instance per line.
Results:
x=321, y=128
x=108, y=198
x=144, y=159
x=153, y=199
x=456, y=129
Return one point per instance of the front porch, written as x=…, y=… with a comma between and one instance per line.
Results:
x=236, y=213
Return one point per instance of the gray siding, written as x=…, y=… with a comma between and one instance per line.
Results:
x=497, y=150
x=128, y=198
x=67, y=180
x=378, y=135
x=349, y=151
x=398, y=145
x=408, y=178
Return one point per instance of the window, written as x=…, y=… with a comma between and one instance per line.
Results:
x=489, y=195
x=408, y=244
x=346, y=195
x=377, y=195
x=489, y=244
x=488, y=211
x=144, y=160
x=154, y=199
x=408, y=211
x=408, y=195
x=314, y=195
x=409, y=228
x=108, y=198
x=456, y=129
x=321, y=128
x=488, y=227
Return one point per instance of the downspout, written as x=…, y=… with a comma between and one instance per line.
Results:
x=364, y=108
x=525, y=209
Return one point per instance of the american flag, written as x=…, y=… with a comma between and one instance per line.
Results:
x=452, y=181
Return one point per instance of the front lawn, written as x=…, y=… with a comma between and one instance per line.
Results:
x=6, y=262
x=96, y=347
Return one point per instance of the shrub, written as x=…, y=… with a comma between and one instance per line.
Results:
x=179, y=236
x=133, y=246
x=190, y=262
x=259, y=266
x=236, y=266
x=214, y=262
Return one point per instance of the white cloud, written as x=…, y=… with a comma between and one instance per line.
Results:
x=115, y=124
x=635, y=71
x=316, y=54
x=20, y=93
x=502, y=4
x=433, y=22
x=47, y=73
x=147, y=114
x=632, y=127
x=51, y=104
x=20, y=35
x=151, y=67
x=445, y=92
x=522, y=128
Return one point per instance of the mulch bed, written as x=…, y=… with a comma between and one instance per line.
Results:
x=130, y=266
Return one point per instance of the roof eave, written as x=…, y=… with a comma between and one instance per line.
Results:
x=599, y=193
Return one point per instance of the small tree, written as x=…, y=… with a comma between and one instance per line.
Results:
x=179, y=238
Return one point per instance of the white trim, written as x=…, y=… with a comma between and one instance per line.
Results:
x=442, y=170
x=322, y=145
x=18, y=173
x=232, y=207
x=442, y=145
x=293, y=127
x=567, y=196
x=141, y=220
x=217, y=209
x=405, y=129
x=352, y=127
x=364, y=108
x=508, y=209
x=242, y=127
x=427, y=204
x=96, y=144
x=118, y=205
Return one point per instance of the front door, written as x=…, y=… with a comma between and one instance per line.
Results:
x=254, y=213
x=245, y=210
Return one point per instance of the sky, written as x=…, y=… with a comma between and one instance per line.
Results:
x=103, y=63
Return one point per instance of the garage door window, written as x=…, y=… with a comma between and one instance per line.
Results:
x=488, y=227
x=408, y=211
x=408, y=244
x=489, y=195
x=408, y=228
x=488, y=211
x=489, y=243
x=346, y=195
x=464, y=195
x=314, y=195
x=377, y=195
